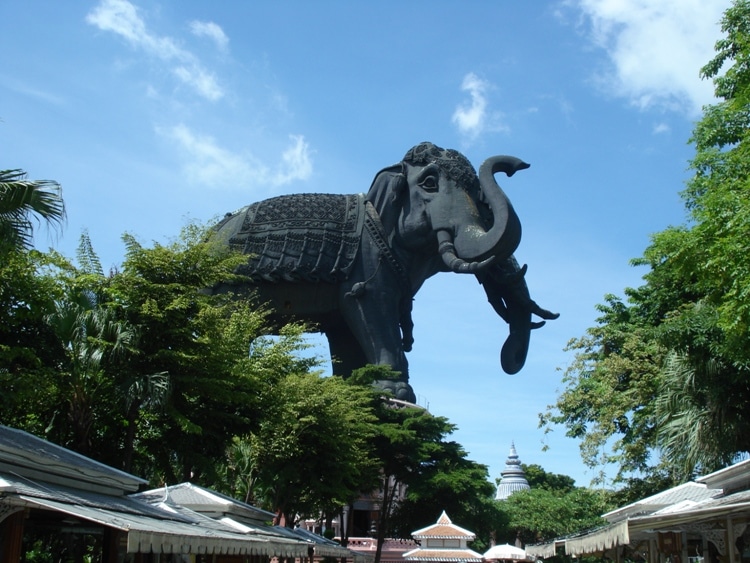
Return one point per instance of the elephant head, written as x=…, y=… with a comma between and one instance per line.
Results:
x=434, y=201
x=434, y=197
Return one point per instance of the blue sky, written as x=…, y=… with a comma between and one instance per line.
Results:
x=151, y=114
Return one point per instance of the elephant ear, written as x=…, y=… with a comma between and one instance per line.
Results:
x=386, y=189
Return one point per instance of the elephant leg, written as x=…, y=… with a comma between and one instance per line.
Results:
x=346, y=353
x=374, y=320
x=407, y=325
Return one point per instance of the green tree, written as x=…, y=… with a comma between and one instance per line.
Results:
x=420, y=467
x=207, y=345
x=608, y=400
x=538, y=478
x=22, y=201
x=448, y=481
x=537, y=515
x=311, y=454
x=681, y=386
x=89, y=334
x=703, y=408
x=29, y=349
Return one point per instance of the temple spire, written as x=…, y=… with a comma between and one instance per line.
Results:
x=513, y=476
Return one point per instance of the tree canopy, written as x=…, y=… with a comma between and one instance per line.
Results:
x=662, y=383
x=312, y=450
x=537, y=515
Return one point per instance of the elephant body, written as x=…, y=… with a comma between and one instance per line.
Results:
x=352, y=264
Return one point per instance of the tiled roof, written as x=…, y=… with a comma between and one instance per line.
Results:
x=24, y=453
x=452, y=555
x=443, y=529
x=693, y=492
x=204, y=500
x=27, y=488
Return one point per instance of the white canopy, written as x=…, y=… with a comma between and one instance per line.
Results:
x=506, y=552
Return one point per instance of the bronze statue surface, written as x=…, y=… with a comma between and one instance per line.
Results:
x=352, y=264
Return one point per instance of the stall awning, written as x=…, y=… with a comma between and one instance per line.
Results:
x=599, y=540
x=146, y=534
x=542, y=550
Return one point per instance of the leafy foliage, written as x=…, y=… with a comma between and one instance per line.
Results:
x=422, y=472
x=539, y=514
x=538, y=478
x=29, y=349
x=146, y=369
x=553, y=507
x=311, y=452
x=607, y=403
x=668, y=370
x=203, y=343
x=23, y=200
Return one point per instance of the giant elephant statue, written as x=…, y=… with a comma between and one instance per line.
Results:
x=352, y=264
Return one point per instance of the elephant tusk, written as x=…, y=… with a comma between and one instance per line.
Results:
x=459, y=265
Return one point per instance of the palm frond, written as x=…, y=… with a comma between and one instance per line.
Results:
x=23, y=200
x=88, y=260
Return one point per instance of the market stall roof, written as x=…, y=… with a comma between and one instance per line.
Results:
x=25, y=454
x=449, y=555
x=443, y=541
x=691, y=509
x=239, y=517
x=693, y=492
x=730, y=479
x=205, y=501
x=41, y=476
x=147, y=534
x=148, y=528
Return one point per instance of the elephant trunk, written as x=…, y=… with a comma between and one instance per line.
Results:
x=507, y=292
x=447, y=252
x=474, y=244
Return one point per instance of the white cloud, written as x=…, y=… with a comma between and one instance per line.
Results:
x=656, y=49
x=473, y=117
x=661, y=128
x=296, y=160
x=203, y=82
x=212, y=31
x=209, y=164
x=122, y=18
x=470, y=117
x=31, y=91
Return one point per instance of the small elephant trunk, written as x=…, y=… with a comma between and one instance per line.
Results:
x=508, y=294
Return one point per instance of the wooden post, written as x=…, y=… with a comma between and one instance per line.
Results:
x=730, y=541
x=11, y=536
x=684, y=555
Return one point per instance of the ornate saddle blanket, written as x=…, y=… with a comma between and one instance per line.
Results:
x=302, y=237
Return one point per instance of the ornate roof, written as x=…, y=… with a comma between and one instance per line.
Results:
x=443, y=529
x=513, y=477
x=444, y=542
x=449, y=555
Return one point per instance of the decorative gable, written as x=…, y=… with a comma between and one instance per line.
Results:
x=443, y=541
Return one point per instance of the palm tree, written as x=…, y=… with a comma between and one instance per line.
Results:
x=698, y=429
x=23, y=200
x=90, y=335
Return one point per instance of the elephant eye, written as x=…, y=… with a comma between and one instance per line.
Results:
x=429, y=183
